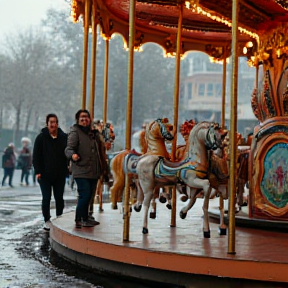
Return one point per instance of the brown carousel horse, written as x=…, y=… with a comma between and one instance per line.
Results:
x=107, y=131
x=185, y=129
x=155, y=171
x=156, y=133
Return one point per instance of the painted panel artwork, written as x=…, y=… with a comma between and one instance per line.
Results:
x=274, y=184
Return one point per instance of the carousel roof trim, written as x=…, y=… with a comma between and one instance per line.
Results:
x=206, y=23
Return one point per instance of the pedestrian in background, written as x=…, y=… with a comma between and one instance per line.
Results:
x=50, y=166
x=8, y=164
x=25, y=160
x=87, y=153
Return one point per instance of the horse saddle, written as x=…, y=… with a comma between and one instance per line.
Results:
x=130, y=162
x=166, y=168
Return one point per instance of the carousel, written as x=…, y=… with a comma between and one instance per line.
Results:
x=123, y=244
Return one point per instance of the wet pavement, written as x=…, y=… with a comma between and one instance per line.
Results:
x=26, y=259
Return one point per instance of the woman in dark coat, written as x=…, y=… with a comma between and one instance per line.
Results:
x=50, y=166
x=8, y=164
x=25, y=160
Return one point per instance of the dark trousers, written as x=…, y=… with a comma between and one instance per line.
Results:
x=58, y=186
x=86, y=188
x=25, y=173
x=8, y=172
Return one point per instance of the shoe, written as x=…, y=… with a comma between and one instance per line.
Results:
x=90, y=217
x=87, y=224
x=21, y=184
x=93, y=222
x=11, y=186
x=78, y=224
x=46, y=226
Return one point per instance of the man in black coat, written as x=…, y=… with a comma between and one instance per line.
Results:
x=50, y=165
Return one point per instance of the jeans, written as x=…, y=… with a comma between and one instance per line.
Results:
x=86, y=188
x=46, y=185
x=8, y=172
x=25, y=173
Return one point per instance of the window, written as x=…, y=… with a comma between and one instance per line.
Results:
x=189, y=91
x=210, y=89
x=201, y=90
x=218, y=90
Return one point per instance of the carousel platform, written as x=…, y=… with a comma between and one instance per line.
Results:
x=172, y=255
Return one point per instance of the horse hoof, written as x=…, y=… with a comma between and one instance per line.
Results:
x=162, y=199
x=169, y=206
x=145, y=230
x=183, y=215
x=101, y=209
x=152, y=215
x=221, y=231
x=184, y=198
x=206, y=234
x=130, y=209
x=138, y=208
x=114, y=206
x=237, y=210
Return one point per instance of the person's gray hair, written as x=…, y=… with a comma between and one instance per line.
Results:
x=26, y=139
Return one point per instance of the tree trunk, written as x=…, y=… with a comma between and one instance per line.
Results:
x=28, y=119
x=17, y=126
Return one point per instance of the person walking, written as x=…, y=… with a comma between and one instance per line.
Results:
x=87, y=153
x=50, y=164
x=25, y=160
x=8, y=164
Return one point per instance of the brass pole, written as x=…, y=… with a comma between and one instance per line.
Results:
x=221, y=201
x=106, y=81
x=132, y=13
x=224, y=89
x=233, y=129
x=85, y=52
x=93, y=69
x=176, y=107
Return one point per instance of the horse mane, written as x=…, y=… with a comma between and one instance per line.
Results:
x=142, y=142
x=199, y=126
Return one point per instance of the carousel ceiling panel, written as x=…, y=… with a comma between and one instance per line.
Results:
x=162, y=17
x=258, y=15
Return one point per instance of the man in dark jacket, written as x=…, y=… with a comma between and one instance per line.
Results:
x=50, y=166
x=87, y=153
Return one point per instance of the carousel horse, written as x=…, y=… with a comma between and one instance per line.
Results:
x=156, y=133
x=243, y=150
x=180, y=154
x=156, y=171
x=108, y=136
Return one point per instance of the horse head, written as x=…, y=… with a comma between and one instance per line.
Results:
x=165, y=128
x=214, y=137
x=108, y=134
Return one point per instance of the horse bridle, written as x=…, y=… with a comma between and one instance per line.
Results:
x=166, y=134
x=211, y=145
x=106, y=132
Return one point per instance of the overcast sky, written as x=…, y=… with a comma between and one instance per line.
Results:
x=15, y=14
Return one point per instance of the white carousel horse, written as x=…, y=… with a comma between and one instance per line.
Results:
x=156, y=133
x=155, y=171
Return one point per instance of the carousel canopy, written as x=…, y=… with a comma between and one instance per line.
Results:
x=206, y=23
